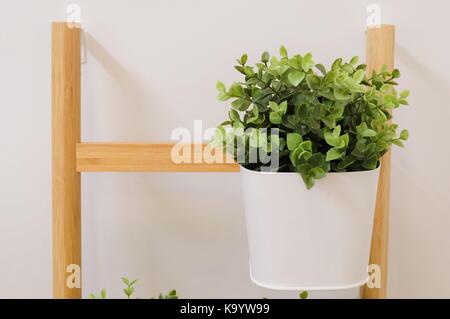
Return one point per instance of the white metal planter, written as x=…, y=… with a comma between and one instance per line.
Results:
x=317, y=239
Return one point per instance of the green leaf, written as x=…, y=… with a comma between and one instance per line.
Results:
x=293, y=140
x=275, y=118
x=358, y=76
x=369, y=133
x=273, y=62
x=234, y=116
x=309, y=181
x=404, y=94
x=257, y=138
x=223, y=96
x=317, y=173
x=306, y=145
x=273, y=106
x=294, y=155
x=219, y=137
x=361, y=145
x=244, y=58
x=313, y=82
x=404, y=134
x=282, y=69
x=236, y=90
x=265, y=57
x=304, y=169
x=329, y=121
x=338, y=109
x=249, y=70
x=371, y=162
x=240, y=104
x=283, y=52
x=220, y=87
x=295, y=77
x=321, y=68
x=343, y=140
x=395, y=73
x=357, y=88
x=331, y=139
x=354, y=60
x=303, y=295
x=274, y=142
x=282, y=107
x=337, y=131
x=346, y=161
x=125, y=281
x=240, y=68
x=307, y=62
x=295, y=62
x=334, y=154
x=317, y=160
x=319, y=111
x=341, y=94
x=398, y=143
x=336, y=64
x=364, y=131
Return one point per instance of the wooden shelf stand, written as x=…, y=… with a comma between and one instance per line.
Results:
x=71, y=157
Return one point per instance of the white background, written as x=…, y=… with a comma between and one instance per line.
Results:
x=152, y=67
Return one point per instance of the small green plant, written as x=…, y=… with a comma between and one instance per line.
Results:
x=101, y=296
x=171, y=295
x=315, y=120
x=129, y=289
x=303, y=295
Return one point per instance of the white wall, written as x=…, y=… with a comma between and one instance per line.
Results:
x=151, y=67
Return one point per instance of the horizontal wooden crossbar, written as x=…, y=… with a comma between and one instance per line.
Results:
x=149, y=157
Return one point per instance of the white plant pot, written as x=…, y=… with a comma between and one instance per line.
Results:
x=317, y=239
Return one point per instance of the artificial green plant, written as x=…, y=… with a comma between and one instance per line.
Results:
x=317, y=120
x=129, y=291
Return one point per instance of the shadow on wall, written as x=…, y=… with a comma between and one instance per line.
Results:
x=434, y=81
x=124, y=91
x=422, y=132
x=147, y=206
x=420, y=169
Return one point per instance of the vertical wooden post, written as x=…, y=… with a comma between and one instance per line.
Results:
x=380, y=50
x=66, y=198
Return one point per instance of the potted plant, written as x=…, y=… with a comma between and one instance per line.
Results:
x=290, y=116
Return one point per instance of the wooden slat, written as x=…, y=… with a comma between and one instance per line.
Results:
x=380, y=50
x=148, y=157
x=66, y=198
